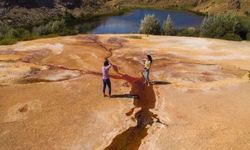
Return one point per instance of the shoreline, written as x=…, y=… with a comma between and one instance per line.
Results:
x=180, y=9
x=125, y=35
x=90, y=22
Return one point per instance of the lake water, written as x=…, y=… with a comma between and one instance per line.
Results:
x=130, y=22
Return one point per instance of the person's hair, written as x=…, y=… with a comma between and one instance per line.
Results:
x=106, y=63
x=150, y=58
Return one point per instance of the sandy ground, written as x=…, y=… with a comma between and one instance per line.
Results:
x=51, y=94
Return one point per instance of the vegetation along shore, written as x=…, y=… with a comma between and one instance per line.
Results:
x=27, y=20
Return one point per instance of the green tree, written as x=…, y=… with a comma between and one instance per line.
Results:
x=168, y=26
x=220, y=26
x=150, y=25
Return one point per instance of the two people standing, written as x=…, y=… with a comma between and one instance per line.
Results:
x=106, y=78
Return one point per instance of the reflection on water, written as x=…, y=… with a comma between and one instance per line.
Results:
x=130, y=22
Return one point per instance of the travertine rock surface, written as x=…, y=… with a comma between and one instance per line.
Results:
x=51, y=94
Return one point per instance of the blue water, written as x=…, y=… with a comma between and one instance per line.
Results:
x=130, y=22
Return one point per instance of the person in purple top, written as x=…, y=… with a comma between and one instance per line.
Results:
x=105, y=77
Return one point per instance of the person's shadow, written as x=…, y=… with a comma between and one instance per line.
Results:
x=132, y=80
x=159, y=82
x=145, y=99
x=132, y=137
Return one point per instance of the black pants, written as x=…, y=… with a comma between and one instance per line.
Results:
x=106, y=82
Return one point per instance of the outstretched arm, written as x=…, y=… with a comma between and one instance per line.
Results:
x=110, y=65
x=142, y=61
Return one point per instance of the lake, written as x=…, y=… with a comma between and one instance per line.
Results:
x=130, y=22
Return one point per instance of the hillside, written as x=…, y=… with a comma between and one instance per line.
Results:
x=30, y=12
x=51, y=94
x=240, y=7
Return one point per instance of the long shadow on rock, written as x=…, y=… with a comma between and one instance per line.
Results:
x=160, y=82
x=131, y=138
x=145, y=100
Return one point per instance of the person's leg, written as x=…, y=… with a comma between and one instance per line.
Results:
x=104, y=86
x=109, y=86
x=143, y=74
x=147, y=75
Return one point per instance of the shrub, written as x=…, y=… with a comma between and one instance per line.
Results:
x=3, y=29
x=248, y=36
x=50, y=28
x=43, y=29
x=168, y=27
x=21, y=33
x=232, y=36
x=190, y=31
x=70, y=20
x=243, y=27
x=219, y=26
x=9, y=37
x=57, y=26
x=68, y=31
x=133, y=37
x=84, y=28
x=10, y=34
x=7, y=41
x=150, y=25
